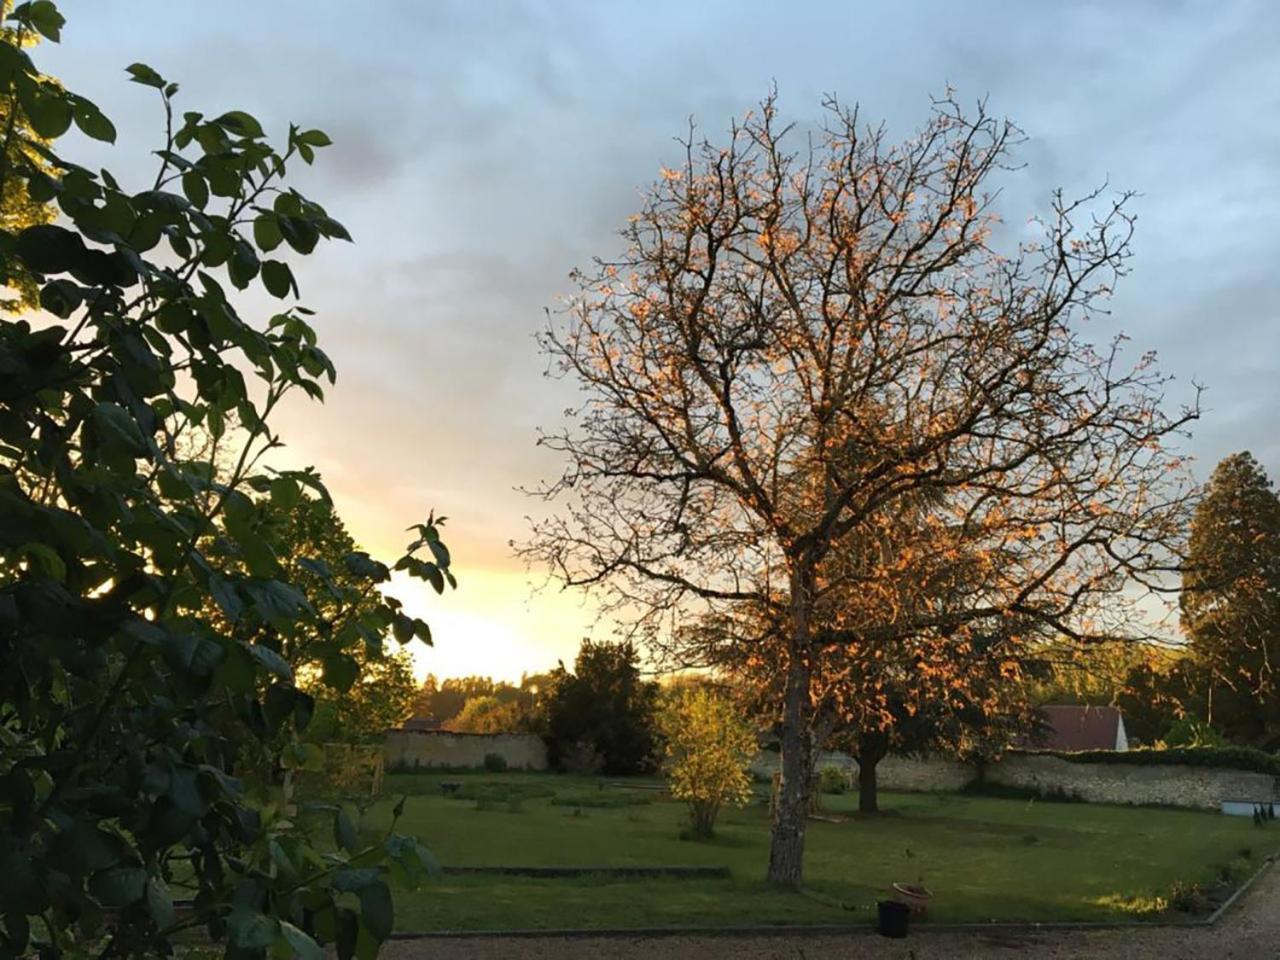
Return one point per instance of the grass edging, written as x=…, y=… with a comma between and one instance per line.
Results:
x=676, y=871
x=837, y=930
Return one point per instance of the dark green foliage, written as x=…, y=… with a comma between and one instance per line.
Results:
x=147, y=608
x=495, y=762
x=1227, y=758
x=1231, y=601
x=605, y=708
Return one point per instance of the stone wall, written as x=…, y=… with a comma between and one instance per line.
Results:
x=441, y=749
x=1174, y=785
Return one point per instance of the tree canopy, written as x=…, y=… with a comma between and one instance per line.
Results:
x=1231, y=600
x=800, y=339
x=147, y=605
x=603, y=708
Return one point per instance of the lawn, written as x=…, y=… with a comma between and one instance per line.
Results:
x=984, y=858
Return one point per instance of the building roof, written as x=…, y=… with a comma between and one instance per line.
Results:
x=1080, y=728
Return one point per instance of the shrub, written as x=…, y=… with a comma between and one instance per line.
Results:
x=582, y=758
x=495, y=763
x=1188, y=898
x=832, y=780
x=709, y=747
x=1190, y=732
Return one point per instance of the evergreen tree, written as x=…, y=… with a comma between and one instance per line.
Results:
x=604, y=706
x=1231, y=600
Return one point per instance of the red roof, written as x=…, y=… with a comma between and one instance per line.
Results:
x=1080, y=728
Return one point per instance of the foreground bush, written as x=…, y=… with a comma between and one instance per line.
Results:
x=146, y=618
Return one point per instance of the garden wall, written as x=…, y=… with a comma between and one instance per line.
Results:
x=1174, y=785
x=441, y=749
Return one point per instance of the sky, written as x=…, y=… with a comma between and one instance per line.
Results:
x=484, y=149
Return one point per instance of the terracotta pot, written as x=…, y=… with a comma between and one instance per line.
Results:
x=914, y=896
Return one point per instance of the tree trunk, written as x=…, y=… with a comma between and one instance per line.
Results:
x=867, y=801
x=786, y=846
x=872, y=748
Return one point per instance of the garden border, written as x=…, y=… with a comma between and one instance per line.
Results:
x=828, y=930
x=672, y=871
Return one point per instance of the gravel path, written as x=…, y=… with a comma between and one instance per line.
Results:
x=1251, y=931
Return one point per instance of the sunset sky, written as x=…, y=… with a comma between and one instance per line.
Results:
x=484, y=149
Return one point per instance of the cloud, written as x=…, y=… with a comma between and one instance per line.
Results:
x=483, y=150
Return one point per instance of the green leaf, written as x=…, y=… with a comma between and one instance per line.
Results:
x=118, y=886
x=403, y=628
x=266, y=231
x=141, y=73
x=376, y=910
x=195, y=188
x=42, y=557
x=258, y=555
x=300, y=234
x=285, y=493
x=355, y=879
x=340, y=672
x=360, y=564
x=44, y=16
x=314, y=138
x=193, y=654
x=114, y=421
x=243, y=266
x=347, y=934
x=159, y=903
x=423, y=631
x=299, y=944
x=277, y=704
x=250, y=930
x=344, y=832
x=303, y=709
x=278, y=278
x=439, y=551
x=240, y=123
x=47, y=108
x=274, y=663
x=92, y=121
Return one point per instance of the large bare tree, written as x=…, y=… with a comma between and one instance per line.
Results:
x=795, y=344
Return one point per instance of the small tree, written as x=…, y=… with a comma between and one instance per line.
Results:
x=708, y=749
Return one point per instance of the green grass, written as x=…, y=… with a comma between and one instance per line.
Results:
x=984, y=858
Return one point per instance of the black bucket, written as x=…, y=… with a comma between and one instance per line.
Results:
x=893, y=918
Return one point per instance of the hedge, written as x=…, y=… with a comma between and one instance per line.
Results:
x=1228, y=758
